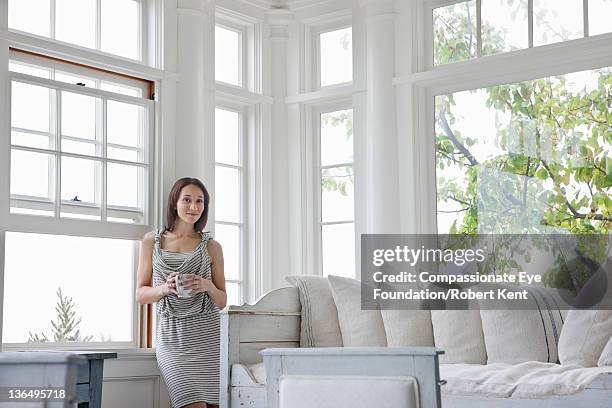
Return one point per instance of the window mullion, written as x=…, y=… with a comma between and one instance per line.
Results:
x=52, y=17
x=530, y=22
x=58, y=156
x=478, y=28
x=103, y=153
x=98, y=24
x=585, y=16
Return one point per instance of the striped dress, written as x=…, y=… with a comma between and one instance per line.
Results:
x=188, y=329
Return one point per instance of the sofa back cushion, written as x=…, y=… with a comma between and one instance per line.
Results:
x=359, y=328
x=408, y=328
x=319, y=325
x=516, y=336
x=459, y=334
x=584, y=336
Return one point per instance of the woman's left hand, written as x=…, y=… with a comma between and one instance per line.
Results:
x=198, y=283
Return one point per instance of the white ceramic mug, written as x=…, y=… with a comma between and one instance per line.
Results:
x=182, y=292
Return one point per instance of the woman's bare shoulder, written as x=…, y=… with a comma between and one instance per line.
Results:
x=148, y=238
x=214, y=247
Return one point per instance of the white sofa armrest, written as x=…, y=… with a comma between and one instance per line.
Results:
x=418, y=362
x=272, y=321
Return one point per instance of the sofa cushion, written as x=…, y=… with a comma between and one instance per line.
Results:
x=526, y=380
x=319, y=325
x=584, y=336
x=515, y=336
x=408, y=328
x=359, y=328
x=459, y=334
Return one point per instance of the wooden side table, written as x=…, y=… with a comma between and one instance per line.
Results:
x=77, y=373
x=89, y=378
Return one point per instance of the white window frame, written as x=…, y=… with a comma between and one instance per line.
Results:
x=427, y=21
x=242, y=36
x=511, y=67
x=148, y=69
x=57, y=203
x=249, y=30
x=145, y=8
x=314, y=151
x=313, y=31
x=242, y=167
x=255, y=106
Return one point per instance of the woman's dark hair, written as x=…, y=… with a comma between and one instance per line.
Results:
x=173, y=198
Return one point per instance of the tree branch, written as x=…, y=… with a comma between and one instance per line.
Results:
x=449, y=133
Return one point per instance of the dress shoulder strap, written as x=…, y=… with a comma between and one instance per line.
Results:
x=158, y=234
x=206, y=236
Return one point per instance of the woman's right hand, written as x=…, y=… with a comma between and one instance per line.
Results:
x=170, y=285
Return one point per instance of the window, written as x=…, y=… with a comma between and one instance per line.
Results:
x=54, y=280
x=229, y=197
x=335, y=55
x=532, y=156
x=229, y=55
x=470, y=29
x=80, y=142
x=112, y=26
x=336, y=189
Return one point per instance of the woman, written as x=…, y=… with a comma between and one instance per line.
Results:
x=188, y=327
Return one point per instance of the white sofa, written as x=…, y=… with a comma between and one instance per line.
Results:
x=277, y=320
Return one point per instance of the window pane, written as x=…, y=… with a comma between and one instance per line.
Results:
x=504, y=26
x=32, y=174
x=75, y=22
x=454, y=32
x=124, y=185
x=32, y=16
x=227, y=194
x=337, y=185
x=124, y=123
x=228, y=60
x=338, y=246
x=74, y=79
x=234, y=296
x=337, y=137
x=229, y=238
x=29, y=69
x=120, y=22
x=73, y=146
x=336, y=56
x=80, y=180
x=107, y=262
x=30, y=140
x=122, y=154
x=120, y=89
x=227, y=134
x=599, y=16
x=31, y=106
x=79, y=115
x=525, y=157
x=555, y=21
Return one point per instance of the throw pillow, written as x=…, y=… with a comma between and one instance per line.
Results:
x=319, y=325
x=584, y=336
x=408, y=328
x=516, y=336
x=358, y=327
x=459, y=334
